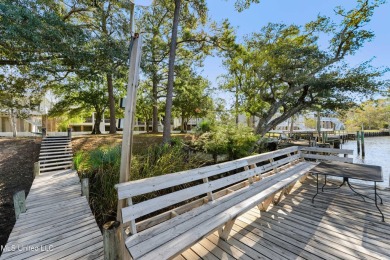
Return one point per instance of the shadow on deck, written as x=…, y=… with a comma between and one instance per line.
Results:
x=337, y=225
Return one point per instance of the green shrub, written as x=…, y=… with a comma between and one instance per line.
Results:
x=102, y=167
x=241, y=141
x=236, y=141
x=203, y=127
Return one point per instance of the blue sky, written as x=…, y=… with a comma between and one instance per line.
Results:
x=297, y=12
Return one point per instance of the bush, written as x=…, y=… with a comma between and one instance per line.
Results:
x=203, y=127
x=102, y=167
x=241, y=141
x=236, y=141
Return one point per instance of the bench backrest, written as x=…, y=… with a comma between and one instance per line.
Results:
x=327, y=154
x=199, y=182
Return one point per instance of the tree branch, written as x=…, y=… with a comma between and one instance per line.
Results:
x=73, y=11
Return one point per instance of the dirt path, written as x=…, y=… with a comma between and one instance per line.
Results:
x=17, y=157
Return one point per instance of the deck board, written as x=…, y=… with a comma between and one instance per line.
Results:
x=338, y=225
x=58, y=222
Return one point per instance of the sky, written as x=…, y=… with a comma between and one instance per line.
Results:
x=297, y=12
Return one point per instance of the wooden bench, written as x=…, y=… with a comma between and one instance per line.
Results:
x=197, y=202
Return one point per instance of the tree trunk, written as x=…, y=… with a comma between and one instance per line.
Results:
x=318, y=125
x=155, y=107
x=12, y=119
x=236, y=105
x=171, y=67
x=96, y=126
x=147, y=125
x=111, y=99
x=292, y=126
x=183, y=130
x=266, y=123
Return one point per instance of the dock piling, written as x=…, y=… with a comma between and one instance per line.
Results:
x=362, y=140
x=37, y=166
x=85, y=188
x=111, y=240
x=19, y=203
x=358, y=142
x=69, y=132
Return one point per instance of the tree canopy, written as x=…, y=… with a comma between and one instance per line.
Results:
x=82, y=96
x=274, y=73
x=285, y=71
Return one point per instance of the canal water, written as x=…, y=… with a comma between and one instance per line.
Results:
x=377, y=153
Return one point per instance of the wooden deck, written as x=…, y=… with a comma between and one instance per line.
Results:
x=339, y=225
x=58, y=223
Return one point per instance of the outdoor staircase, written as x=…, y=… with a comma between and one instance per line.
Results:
x=56, y=154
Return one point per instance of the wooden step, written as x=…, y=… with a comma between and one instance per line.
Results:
x=54, y=147
x=43, y=165
x=55, y=141
x=61, y=152
x=54, y=144
x=57, y=150
x=55, y=156
x=57, y=159
x=56, y=138
x=56, y=168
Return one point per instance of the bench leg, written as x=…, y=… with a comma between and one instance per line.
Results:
x=276, y=202
x=303, y=178
x=289, y=188
x=225, y=231
x=265, y=204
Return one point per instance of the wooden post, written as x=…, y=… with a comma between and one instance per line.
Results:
x=37, y=166
x=358, y=142
x=319, y=125
x=19, y=203
x=85, y=187
x=362, y=137
x=130, y=109
x=69, y=133
x=44, y=133
x=111, y=240
x=128, y=129
x=210, y=194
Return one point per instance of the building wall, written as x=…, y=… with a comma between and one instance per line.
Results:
x=5, y=124
x=22, y=125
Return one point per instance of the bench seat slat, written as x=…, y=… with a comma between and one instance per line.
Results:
x=211, y=214
x=143, y=186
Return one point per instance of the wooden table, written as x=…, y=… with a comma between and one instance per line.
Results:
x=351, y=171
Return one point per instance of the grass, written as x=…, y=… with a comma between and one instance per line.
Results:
x=140, y=142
